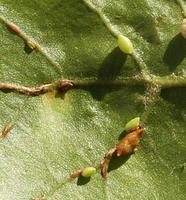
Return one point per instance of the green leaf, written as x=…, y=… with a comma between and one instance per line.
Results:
x=55, y=134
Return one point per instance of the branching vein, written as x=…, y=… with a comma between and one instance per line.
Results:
x=14, y=28
x=115, y=32
x=61, y=85
x=64, y=85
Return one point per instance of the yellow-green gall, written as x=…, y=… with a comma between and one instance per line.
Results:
x=31, y=45
x=88, y=171
x=125, y=44
x=132, y=124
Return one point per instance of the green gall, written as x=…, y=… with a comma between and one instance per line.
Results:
x=125, y=44
x=134, y=123
x=88, y=171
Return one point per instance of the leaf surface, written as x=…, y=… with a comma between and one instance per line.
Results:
x=55, y=135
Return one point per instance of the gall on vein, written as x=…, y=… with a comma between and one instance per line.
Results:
x=126, y=146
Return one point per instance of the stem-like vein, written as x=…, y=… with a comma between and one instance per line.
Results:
x=141, y=65
x=14, y=28
x=5, y=130
x=27, y=90
x=64, y=85
x=59, y=85
x=104, y=19
x=183, y=7
x=151, y=96
x=165, y=82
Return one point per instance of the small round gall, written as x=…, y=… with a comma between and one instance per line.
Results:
x=132, y=124
x=125, y=44
x=88, y=171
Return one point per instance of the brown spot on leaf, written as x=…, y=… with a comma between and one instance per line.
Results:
x=12, y=27
x=159, y=20
x=5, y=130
x=126, y=146
x=76, y=174
x=38, y=198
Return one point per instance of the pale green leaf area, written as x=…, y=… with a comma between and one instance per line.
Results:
x=54, y=135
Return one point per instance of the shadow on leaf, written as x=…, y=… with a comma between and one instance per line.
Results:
x=109, y=70
x=83, y=180
x=5, y=91
x=175, y=52
x=27, y=49
x=176, y=96
x=112, y=65
x=122, y=135
x=117, y=162
x=179, y=170
x=60, y=94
